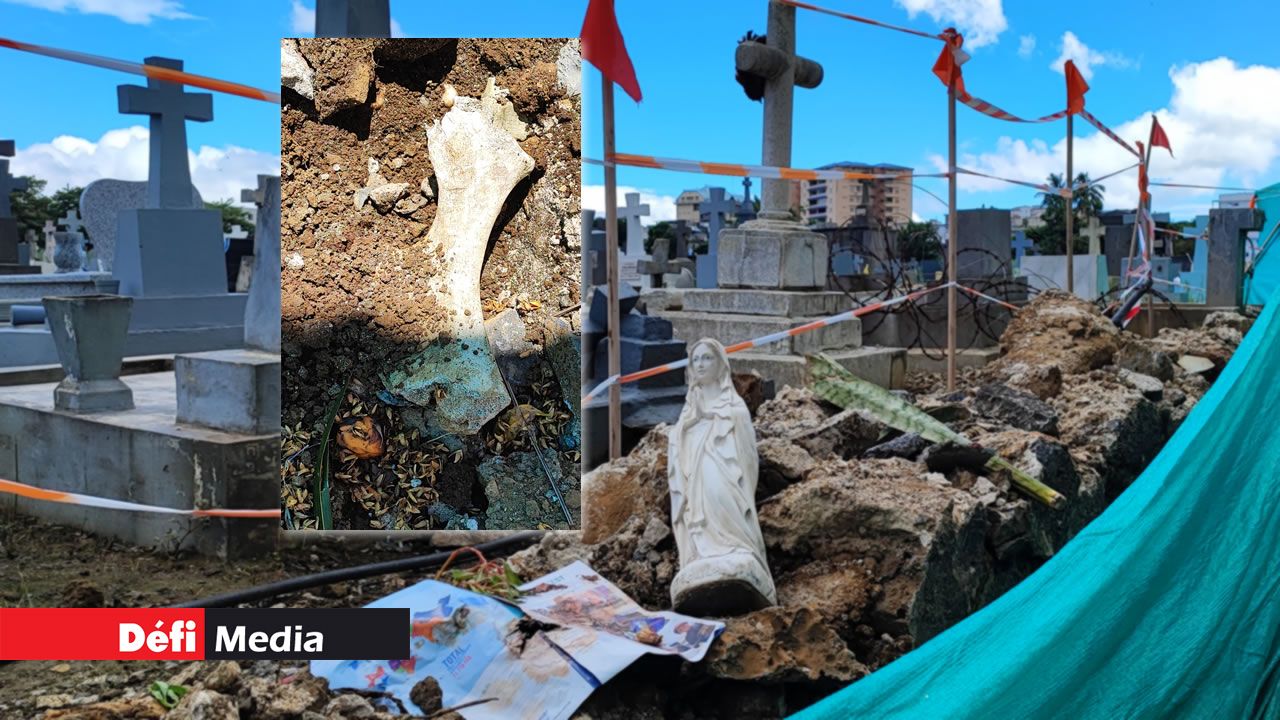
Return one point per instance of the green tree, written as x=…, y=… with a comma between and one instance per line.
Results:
x=232, y=214
x=919, y=241
x=33, y=208
x=1086, y=202
x=659, y=229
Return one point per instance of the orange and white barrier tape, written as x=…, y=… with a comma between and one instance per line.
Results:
x=34, y=493
x=1064, y=192
x=738, y=170
x=859, y=18
x=1108, y=132
x=990, y=110
x=779, y=336
x=987, y=297
x=150, y=71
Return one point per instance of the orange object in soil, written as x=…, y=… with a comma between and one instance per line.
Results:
x=361, y=437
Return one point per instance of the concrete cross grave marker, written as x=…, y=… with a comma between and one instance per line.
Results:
x=1094, y=233
x=680, y=248
x=632, y=212
x=71, y=221
x=716, y=208
x=8, y=183
x=1021, y=245
x=169, y=179
x=358, y=18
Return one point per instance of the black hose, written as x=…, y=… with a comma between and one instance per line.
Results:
x=420, y=562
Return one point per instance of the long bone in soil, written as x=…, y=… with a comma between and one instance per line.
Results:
x=477, y=164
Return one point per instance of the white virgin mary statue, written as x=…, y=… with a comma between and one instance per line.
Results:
x=711, y=470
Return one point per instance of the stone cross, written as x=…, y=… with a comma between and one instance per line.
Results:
x=680, y=248
x=169, y=176
x=256, y=195
x=1094, y=232
x=632, y=212
x=1021, y=245
x=777, y=62
x=716, y=207
x=353, y=18
x=237, y=233
x=8, y=183
x=71, y=221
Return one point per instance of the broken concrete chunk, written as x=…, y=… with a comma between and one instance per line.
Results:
x=295, y=73
x=477, y=164
x=1195, y=364
x=1019, y=409
x=411, y=204
x=515, y=355
x=384, y=197
x=1151, y=388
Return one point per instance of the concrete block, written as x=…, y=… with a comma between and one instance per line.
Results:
x=639, y=354
x=141, y=456
x=731, y=328
x=170, y=252
x=645, y=327
x=935, y=361
x=772, y=255
x=232, y=390
x=783, y=303
x=886, y=367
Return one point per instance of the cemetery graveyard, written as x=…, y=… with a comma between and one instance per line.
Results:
x=431, y=283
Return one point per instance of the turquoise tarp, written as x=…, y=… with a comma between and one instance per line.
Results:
x=1266, y=274
x=1166, y=606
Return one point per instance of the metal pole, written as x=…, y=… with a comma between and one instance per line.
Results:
x=611, y=268
x=952, y=231
x=1071, y=264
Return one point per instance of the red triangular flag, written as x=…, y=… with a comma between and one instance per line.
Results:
x=1158, y=138
x=946, y=67
x=1076, y=88
x=603, y=46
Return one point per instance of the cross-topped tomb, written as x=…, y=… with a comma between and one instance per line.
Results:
x=169, y=177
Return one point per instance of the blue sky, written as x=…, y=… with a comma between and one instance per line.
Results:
x=1216, y=88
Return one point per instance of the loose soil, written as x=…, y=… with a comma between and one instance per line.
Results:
x=352, y=302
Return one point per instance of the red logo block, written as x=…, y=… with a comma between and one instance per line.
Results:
x=101, y=634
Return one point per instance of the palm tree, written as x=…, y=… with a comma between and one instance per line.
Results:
x=1086, y=202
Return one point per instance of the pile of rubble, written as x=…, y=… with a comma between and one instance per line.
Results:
x=265, y=690
x=879, y=541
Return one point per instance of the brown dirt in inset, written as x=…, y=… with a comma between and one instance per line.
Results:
x=358, y=306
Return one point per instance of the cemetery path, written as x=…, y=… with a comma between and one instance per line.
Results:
x=359, y=194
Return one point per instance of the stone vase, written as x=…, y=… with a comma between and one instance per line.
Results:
x=68, y=256
x=89, y=333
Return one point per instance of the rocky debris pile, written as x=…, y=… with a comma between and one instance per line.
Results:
x=224, y=690
x=877, y=540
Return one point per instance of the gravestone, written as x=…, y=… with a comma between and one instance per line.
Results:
x=633, y=247
x=1094, y=233
x=239, y=390
x=982, y=244
x=1115, y=245
x=353, y=18
x=746, y=209
x=1021, y=245
x=594, y=270
x=1227, y=229
x=171, y=246
x=9, y=259
x=236, y=248
x=715, y=207
x=101, y=203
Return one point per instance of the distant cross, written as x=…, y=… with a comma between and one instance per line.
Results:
x=50, y=227
x=680, y=248
x=8, y=183
x=71, y=221
x=632, y=212
x=255, y=196
x=361, y=18
x=169, y=177
x=1021, y=245
x=716, y=207
x=1094, y=233
x=237, y=233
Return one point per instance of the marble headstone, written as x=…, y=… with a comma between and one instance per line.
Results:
x=100, y=207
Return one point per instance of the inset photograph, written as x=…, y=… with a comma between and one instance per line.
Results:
x=431, y=254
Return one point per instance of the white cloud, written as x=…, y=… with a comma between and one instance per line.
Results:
x=396, y=30
x=302, y=19
x=661, y=207
x=137, y=12
x=980, y=21
x=1223, y=121
x=1087, y=58
x=219, y=172
x=1026, y=45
